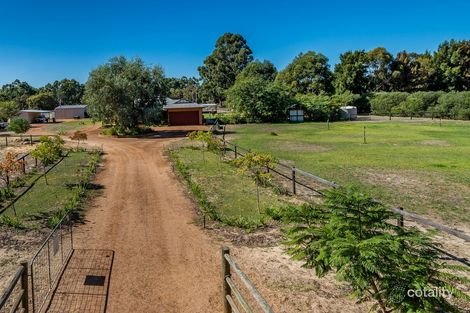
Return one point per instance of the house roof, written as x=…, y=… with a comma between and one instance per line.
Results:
x=182, y=104
x=71, y=106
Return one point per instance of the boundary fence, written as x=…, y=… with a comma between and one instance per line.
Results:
x=317, y=184
x=32, y=284
x=12, y=203
x=233, y=297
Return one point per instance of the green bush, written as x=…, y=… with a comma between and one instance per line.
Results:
x=320, y=107
x=455, y=104
x=383, y=103
x=19, y=125
x=11, y=221
x=232, y=118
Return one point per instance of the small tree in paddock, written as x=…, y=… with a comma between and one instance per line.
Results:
x=47, y=151
x=350, y=236
x=256, y=165
x=9, y=166
x=207, y=140
x=79, y=136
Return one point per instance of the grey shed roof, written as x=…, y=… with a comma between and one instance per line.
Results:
x=71, y=106
x=35, y=111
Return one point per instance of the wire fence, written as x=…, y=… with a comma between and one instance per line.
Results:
x=32, y=284
x=48, y=262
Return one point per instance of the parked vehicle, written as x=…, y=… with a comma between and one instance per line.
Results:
x=40, y=119
x=3, y=125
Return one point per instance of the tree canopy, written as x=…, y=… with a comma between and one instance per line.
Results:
x=308, y=73
x=126, y=93
x=229, y=58
x=351, y=73
x=65, y=91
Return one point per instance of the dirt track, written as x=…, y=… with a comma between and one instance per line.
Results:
x=163, y=263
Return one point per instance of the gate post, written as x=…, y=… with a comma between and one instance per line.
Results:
x=24, y=286
x=294, y=191
x=225, y=274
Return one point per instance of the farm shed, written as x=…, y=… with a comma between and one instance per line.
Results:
x=296, y=113
x=32, y=115
x=182, y=112
x=64, y=112
x=349, y=112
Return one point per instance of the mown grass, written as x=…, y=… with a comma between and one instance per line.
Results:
x=68, y=126
x=421, y=166
x=44, y=200
x=223, y=191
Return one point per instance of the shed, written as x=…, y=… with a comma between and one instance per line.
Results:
x=32, y=115
x=182, y=112
x=64, y=112
x=296, y=113
x=349, y=112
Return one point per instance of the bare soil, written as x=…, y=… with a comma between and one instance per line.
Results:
x=163, y=262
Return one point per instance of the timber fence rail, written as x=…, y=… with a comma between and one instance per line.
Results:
x=234, y=300
x=33, y=283
x=15, y=298
x=7, y=140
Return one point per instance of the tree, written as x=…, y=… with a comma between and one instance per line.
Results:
x=452, y=65
x=9, y=166
x=350, y=236
x=47, y=151
x=19, y=125
x=17, y=91
x=126, y=93
x=8, y=109
x=265, y=70
x=258, y=99
x=79, y=136
x=412, y=72
x=42, y=101
x=379, y=69
x=229, y=58
x=350, y=73
x=65, y=91
x=208, y=141
x=256, y=164
x=187, y=88
x=308, y=73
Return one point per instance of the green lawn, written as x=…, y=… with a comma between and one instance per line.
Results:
x=68, y=126
x=232, y=193
x=419, y=165
x=45, y=199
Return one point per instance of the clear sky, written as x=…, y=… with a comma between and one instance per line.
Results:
x=41, y=41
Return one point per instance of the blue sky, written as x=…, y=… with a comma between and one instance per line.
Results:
x=41, y=41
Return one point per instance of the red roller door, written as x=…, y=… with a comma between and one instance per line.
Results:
x=183, y=117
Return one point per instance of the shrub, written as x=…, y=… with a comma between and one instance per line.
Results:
x=232, y=118
x=455, y=104
x=11, y=221
x=320, y=107
x=384, y=102
x=19, y=125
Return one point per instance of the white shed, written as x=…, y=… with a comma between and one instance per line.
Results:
x=349, y=112
x=296, y=113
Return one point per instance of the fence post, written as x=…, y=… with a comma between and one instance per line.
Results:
x=400, y=221
x=24, y=286
x=30, y=140
x=24, y=165
x=235, y=150
x=6, y=141
x=294, y=191
x=36, y=162
x=226, y=273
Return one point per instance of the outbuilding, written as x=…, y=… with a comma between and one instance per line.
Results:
x=182, y=112
x=34, y=116
x=296, y=113
x=74, y=111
